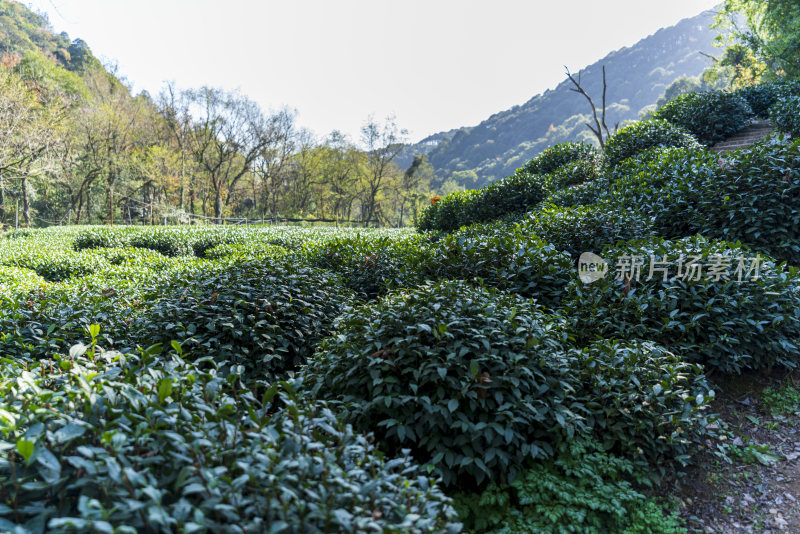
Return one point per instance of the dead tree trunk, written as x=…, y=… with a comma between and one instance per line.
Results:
x=599, y=122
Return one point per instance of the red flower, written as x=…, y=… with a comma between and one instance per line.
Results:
x=435, y=199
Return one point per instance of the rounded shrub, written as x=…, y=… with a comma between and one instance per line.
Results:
x=638, y=137
x=575, y=173
x=514, y=194
x=101, y=237
x=586, y=228
x=264, y=315
x=478, y=383
x=755, y=199
x=710, y=116
x=452, y=372
x=371, y=266
x=167, y=242
x=555, y=157
x=760, y=97
x=785, y=115
x=702, y=312
x=505, y=257
x=159, y=444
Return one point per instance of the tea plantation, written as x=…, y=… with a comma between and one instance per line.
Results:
x=458, y=377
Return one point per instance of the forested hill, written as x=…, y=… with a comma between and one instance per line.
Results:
x=636, y=75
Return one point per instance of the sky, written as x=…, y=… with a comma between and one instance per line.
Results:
x=432, y=64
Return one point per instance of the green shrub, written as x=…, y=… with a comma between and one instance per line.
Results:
x=634, y=139
x=710, y=116
x=760, y=97
x=729, y=325
x=55, y=265
x=372, y=266
x=244, y=251
x=505, y=257
x=584, y=490
x=666, y=185
x=264, y=315
x=477, y=384
x=585, y=228
x=166, y=242
x=514, y=194
x=575, y=173
x=555, y=157
x=447, y=213
x=578, y=195
x=110, y=442
x=453, y=373
x=785, y=115
x=100, y=237
x=755, y=199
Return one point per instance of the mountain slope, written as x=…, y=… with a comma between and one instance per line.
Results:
x=636, y=75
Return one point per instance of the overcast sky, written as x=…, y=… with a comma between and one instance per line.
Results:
x=434, y=64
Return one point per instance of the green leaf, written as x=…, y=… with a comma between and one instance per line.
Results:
x=164, y=389
x=25, y=448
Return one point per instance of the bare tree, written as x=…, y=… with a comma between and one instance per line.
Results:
x=599, y=123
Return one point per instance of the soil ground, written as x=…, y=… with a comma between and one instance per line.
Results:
x=757, y=488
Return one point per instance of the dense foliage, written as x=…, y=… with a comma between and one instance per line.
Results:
x=638, y=137
x=559, y=155
x=265, y=316
x=785, y=115
x=708, y=301
x=513, y=194
x=420, y=363
x=710, y=116
x=103, y=441
x=583, y=490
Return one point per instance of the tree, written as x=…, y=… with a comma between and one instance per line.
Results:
x=599, y=124
x=29, y=124
x=229, y=135
x=382, y=143
x=771, y=35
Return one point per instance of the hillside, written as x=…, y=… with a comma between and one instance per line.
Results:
x=637, y=76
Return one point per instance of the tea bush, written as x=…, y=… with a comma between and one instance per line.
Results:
x=164, y=241
x=584, y=489
x=710, y=116
x=575, y=173
x=454, y=373
x=372, y=266
x=514, y=194
x=584, y=194
x=244, y=251
x=102, y=441
x=755, y=200
x=266, y=316
x=721, y=322
x=420, y=364
x=585, y=228
x=54, y=265
x=634, y=139
x=785, y=115
x=555, y=157
x=760, y=97
x=505, y=257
